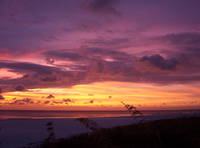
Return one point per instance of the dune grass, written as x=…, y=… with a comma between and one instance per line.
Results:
x=169, y=133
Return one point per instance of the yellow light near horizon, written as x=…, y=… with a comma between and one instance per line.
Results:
x=110, y=94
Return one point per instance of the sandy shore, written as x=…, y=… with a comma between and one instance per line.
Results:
x=19, y=132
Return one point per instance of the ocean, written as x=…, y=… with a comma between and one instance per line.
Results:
x=33, y=114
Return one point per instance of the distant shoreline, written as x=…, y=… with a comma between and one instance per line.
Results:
x=102, y=110
x=22, y=114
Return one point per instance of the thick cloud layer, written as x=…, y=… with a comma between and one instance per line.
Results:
x=61, y=44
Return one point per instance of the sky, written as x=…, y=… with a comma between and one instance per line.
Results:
x=93, y=54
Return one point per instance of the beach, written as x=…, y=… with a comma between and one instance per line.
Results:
x=17, y=133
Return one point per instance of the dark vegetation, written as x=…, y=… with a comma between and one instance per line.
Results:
x=51, y=134
x=169, y=133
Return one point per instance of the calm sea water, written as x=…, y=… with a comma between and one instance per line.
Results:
x=22, y=114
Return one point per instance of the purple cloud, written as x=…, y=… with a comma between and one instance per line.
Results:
x=1, y=97
x=22, y=101
x=160, y=62
x=101, y=6
x=20, y=88
x=50, y=97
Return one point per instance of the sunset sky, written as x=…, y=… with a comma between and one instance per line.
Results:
x=93, y=54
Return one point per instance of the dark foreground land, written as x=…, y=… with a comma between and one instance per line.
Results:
x=171, y=133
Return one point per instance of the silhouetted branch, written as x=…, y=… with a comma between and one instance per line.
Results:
x=132, y=109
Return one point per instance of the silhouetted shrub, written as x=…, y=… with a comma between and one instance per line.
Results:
x=51, y=133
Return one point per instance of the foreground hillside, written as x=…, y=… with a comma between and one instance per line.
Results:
x=170, y=133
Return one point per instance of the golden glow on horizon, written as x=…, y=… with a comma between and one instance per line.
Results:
x=104, y=96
